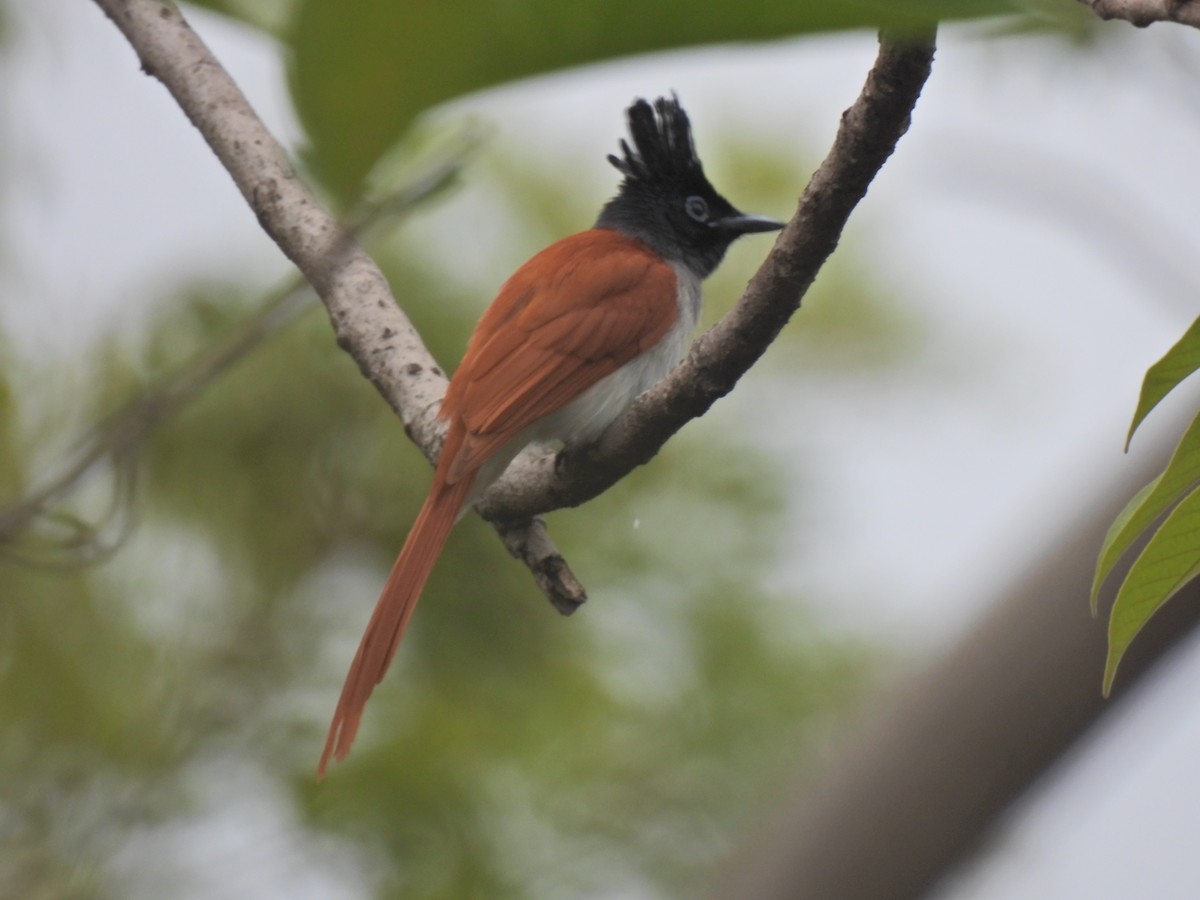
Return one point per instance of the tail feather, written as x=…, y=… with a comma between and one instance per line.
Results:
x=392, y=612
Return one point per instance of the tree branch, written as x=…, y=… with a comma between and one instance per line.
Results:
x=366, y=320
x=1146, y=12
x=868, y=134
x=370, y=327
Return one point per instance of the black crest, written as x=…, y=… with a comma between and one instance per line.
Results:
x=664, y=200
x=662, y=144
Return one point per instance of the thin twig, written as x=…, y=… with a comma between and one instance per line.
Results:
x=68, y=541
x=1146, y=12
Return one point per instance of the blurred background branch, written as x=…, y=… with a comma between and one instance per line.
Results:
x=926, y=776
x=40, y=529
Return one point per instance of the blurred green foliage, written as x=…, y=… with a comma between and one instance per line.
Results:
x=368, y=69
x=510, y=753
x=437, y=51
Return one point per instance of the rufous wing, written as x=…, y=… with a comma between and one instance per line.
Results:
x=573, y=314
x=576, y=312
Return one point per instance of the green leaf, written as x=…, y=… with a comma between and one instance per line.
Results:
x=1180, y=475
x=1161, y=378
x=1169, y=561
x=270, y=16
x=1120, y=535
x=361, y=71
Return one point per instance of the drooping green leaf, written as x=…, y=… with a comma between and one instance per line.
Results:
x=1119, y=536
x=1169, y=561
x=270, y=16
x=361, y=71
x=1181, y=474
x=1161, y=378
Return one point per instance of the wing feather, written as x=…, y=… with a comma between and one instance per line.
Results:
x=573, y=314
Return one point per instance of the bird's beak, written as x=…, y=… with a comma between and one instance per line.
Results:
x=743, y=223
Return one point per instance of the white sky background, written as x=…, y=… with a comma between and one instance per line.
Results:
x=1038, y=337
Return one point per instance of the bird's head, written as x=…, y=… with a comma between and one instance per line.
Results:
x=665, y=199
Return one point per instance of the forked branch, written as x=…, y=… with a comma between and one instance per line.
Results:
x=376, y=333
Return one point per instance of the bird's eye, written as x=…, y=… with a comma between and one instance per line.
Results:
x=696, y=208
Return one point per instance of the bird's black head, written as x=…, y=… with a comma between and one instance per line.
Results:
x=665, y=200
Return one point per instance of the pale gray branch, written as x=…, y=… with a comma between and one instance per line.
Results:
x=366, y=320
x=368, y=323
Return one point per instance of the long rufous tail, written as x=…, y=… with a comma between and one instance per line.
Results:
x=392, y=612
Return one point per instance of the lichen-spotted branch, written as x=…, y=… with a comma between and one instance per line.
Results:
x=367, y=322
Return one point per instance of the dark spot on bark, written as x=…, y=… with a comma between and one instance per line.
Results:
x=387, y=334
x=436, y=371
x=413, y=370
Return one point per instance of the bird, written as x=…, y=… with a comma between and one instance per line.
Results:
x=571, y=339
